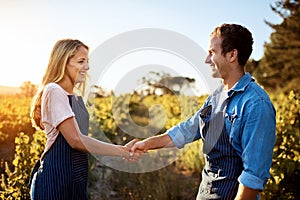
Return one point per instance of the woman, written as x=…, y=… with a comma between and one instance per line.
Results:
x=62, y=171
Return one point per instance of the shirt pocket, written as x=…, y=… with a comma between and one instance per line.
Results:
x=230, y=120
x=233, y=127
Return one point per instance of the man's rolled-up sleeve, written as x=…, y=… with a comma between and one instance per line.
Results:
x=258, y=139
x=185, y=132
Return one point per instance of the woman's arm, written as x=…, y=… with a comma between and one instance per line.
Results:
x=77, y=140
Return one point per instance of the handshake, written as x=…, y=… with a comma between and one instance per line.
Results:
x=134, y=149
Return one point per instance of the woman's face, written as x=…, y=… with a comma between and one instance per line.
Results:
x=78, y=65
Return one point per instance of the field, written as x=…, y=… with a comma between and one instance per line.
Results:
x=21, y=145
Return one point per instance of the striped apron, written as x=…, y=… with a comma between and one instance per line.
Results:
x=63, y=172
x=223, y=165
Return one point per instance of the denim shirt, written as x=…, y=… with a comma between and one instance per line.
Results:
x=250, y=122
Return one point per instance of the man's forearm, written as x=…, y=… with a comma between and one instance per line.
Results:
x=159, y=141
x=245, y=193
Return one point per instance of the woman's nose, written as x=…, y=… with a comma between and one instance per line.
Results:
x=87, y=66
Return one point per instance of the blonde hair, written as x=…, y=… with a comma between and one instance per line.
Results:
x=62, y=51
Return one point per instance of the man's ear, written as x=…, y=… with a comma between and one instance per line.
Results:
x=232, y=55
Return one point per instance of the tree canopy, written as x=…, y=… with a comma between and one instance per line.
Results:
x=279, y=69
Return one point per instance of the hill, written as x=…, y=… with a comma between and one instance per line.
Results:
x=9, y=90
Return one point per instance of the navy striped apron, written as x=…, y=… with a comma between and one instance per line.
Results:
x=63, y=171
x=223, y=165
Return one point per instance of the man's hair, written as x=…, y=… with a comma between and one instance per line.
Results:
x=237, y=37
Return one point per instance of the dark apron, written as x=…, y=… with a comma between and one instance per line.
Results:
x=223, y=165
x=63, y=172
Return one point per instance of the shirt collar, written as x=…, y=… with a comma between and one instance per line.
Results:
x=241, y=84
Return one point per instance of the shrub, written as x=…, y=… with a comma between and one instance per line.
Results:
x=285, y=170
x=14, y=182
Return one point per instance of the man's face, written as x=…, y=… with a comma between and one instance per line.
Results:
x=215, y=59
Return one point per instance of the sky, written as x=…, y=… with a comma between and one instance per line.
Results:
x=29, y=30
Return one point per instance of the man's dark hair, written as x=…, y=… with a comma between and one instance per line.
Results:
x=237, y=37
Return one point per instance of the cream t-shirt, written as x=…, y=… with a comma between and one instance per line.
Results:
x=55, y=109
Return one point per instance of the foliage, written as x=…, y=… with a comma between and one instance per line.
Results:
x=279, y=69
x=102, y=123
x=118, y=118
x=21, y=145
x=192, y=160
x=14, y=118
x=285, y=171
x=161, y=83
x=178, y=180
x=28, y=89
x=14, y=182
x=130, y=109
x=161, y=184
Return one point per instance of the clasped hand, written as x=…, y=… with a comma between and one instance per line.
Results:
x=136, y=149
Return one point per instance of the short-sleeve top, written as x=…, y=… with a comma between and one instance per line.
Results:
x=55, y=108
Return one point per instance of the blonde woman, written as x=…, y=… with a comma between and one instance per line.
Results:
x=62, y=171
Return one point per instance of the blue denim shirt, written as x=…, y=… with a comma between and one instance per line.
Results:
x=251, y=126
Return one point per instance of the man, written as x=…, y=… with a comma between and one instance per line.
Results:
x=236, y=123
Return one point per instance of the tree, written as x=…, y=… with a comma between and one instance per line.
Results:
x=279, y=69
x=163, y=83
x=28, y=89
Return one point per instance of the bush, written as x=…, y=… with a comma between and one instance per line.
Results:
x=14, y=182
x=179, y=180
x=285, y=170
